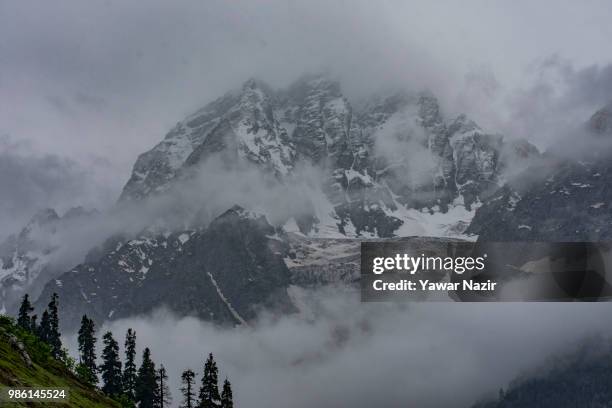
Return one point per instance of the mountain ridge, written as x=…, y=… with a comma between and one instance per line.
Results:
x=394, y=166
x=566, y=196
x=396, y=151
x=223, y=273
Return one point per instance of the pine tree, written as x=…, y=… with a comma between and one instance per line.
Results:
x=146, y=382
x=87, y=350
x=54, y=336
x=111, y=366
x=33, y=324
x=23, y=318
x=226, y=395
x=188, y=380
x=129, y=373
x=209, y=391
x=162, y=397
x=45, y=327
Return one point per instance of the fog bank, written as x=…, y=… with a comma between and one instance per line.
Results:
x=339, y=352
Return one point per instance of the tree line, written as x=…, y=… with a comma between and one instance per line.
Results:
x=145, y=386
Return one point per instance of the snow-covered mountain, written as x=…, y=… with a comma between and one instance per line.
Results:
x=385, y=167
x=566, y=196
x=395, y=166
x=226, y=273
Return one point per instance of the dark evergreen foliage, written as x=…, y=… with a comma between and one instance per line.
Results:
x=129, y=372
x=581, y=379
x=87, y=351
x=23, y=318
x=54, y=336
x=162, y=397
x=34, y=324
x=188, y=380
x=145, y=388
x=44, y=329
x=111, y=366
x=209, y=391
x=146, y=382
x=226, y=395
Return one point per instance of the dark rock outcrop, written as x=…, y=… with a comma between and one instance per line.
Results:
x=224, y=274
x=566, y=196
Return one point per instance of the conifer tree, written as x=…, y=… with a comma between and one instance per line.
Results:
x=87, y=351
x=188, y=380
x=23, y=318
x=227, y=400
x=162, y=397
x=129, y=373
x=111, y=366
x=54, y=336
x=209, y=391
x=33, y=324
x=146, y=382
x=45, y=327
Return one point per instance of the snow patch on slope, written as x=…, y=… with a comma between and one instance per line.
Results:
x=224, y=299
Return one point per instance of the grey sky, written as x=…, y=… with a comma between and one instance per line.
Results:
x=28, y=180
x=101, y=81
x=85, y=86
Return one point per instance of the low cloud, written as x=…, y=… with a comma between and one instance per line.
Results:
x=555, y=99
x=30, y=182
x=340, y=352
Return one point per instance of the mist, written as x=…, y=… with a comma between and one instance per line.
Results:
x=85, y=87
x=30, y=182
x=107, y=79
x=396, y=145
x=340, y=352
x=190, y=203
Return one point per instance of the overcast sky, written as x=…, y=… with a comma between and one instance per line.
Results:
x=86, y=86
x=98, y=82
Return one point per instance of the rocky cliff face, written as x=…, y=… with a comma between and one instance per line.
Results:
x=395, y=166
x=564, y=197
x=225, y=273
x=395, y=153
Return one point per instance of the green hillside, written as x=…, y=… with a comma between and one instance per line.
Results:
x=44, y=371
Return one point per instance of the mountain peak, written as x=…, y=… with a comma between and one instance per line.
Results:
x=429, y=109
x=312, y=122
x=256, y=83
x=237, y=211
x=317, y=83
x=462, y=124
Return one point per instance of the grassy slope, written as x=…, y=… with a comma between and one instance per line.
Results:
x=46, y=372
